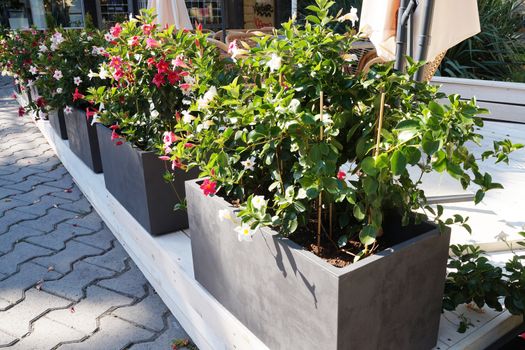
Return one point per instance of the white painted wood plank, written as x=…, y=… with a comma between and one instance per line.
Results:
x=165, y=261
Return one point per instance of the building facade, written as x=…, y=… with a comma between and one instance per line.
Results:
x=212, y=14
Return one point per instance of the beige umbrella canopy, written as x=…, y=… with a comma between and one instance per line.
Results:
x=452, y=22
x=171, y=12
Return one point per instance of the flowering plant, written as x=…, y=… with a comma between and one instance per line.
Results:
x=323, y=156
x=64, y=59
x=154, y=74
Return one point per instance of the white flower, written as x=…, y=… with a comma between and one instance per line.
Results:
x=109, y=37
x=224, y=214
x=30, y=83
x=352, y=57
x=258, y=202
x=33, y=70
x=350, y=16
x=92, y=74
x=77, y=81
x=89, y=38
x=58, y=75
x=274, y=63
x=244, y=233
x=249, y=163
x=187, y=117
x=204, y=101
x=43, y=48
x=502, y=236
x=294, y=105
x=325, y=118
x=68, y=110
x=59, y=90
x=189, y=80
x=53, y=47
x=94, y=50
x=95, y=119
x=103, y=74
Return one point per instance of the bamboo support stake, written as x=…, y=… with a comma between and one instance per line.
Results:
x=320, y=203
x=380, y=123
x=331, y=208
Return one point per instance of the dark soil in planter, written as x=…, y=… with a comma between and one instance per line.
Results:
x=83, y=139
x=136, y=179
x=58, y=123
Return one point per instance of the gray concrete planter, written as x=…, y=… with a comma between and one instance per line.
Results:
x=58, y=123
x=291, y=299
x=135, y=178
x=83, y=139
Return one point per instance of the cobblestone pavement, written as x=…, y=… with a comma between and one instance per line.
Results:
x=65, y=281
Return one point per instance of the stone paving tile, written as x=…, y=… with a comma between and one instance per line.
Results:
x=164, y=341
x=86, y=313
x=30, y=275
x=57, y=238
x=16, y=321
x=114, y=333
x=63, y=260
x=46, y=335
x=71, y=285
x=103, y=239
x=147, y=311
x=131, y=282
x=16, y=234
x=50, y=220
x=62, y=272
x=113, y=259
x=23, y=252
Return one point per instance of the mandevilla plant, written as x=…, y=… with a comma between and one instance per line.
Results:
x=325, y=157
x=154, y=74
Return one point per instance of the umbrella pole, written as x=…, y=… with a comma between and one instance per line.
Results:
x=424, y=38
x=406, y=9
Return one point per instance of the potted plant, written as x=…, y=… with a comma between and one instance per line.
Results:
x=65, y=60
x=154, y=72
x=311, y=167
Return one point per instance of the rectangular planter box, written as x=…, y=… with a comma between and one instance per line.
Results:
x=83, y=139
x=135, y=178
x=58, y=123
x=292, y=299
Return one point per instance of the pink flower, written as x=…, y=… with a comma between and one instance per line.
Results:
x=176, y=164
x=90, y=112
x=151, y=43
x=173, y=77
x=115, y=62
x=150, y=61
x=134, y=41
x=114, y=135
x=118, y=74
x=163, y=66
x=158, y=80
x=77, y=95
x=178, y=62
x=116, y=30
x=169, y=137
x=185, y=87
x=189, y=145
x=147, y=28
x=164, y=158
x=341, y=175
x=208, y=187
x=21, y=111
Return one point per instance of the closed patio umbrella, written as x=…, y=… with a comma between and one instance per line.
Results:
x=171, y=12
x=451, y=22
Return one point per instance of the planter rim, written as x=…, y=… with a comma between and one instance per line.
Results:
x=336, y=271
x=140, y=150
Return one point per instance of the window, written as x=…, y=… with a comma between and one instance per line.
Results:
x=19, y=14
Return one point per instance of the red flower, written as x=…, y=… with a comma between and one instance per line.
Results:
x=118, y=74
x=114, y=127
x=189, y=145
x=21, y=111
x=150, y=61
x=177, y=115
x=77, y=95
x=522, y=335
x=116, y=30
x=158, y=80
x=208, y=187
x=169, y=137
x=134, y=41
x=341, y=175
x=178, y=62
x=173, y=77
x=163, y=66
x=40, y=102
x=118, y=143
x=147, y=28
x=90, y=112
x=185, y=86
x=199, y=27
x=176, y=163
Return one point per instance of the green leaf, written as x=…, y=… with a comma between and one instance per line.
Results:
x=430, y=145
x=479, y=196
x=398, y=162
x=368, y=165
x=368, y=234
x=370, y=185
x=440, y=163
x=359, y=212
x=436, y=108
x=342, y=241
x=412, y=154
x=407, y=125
